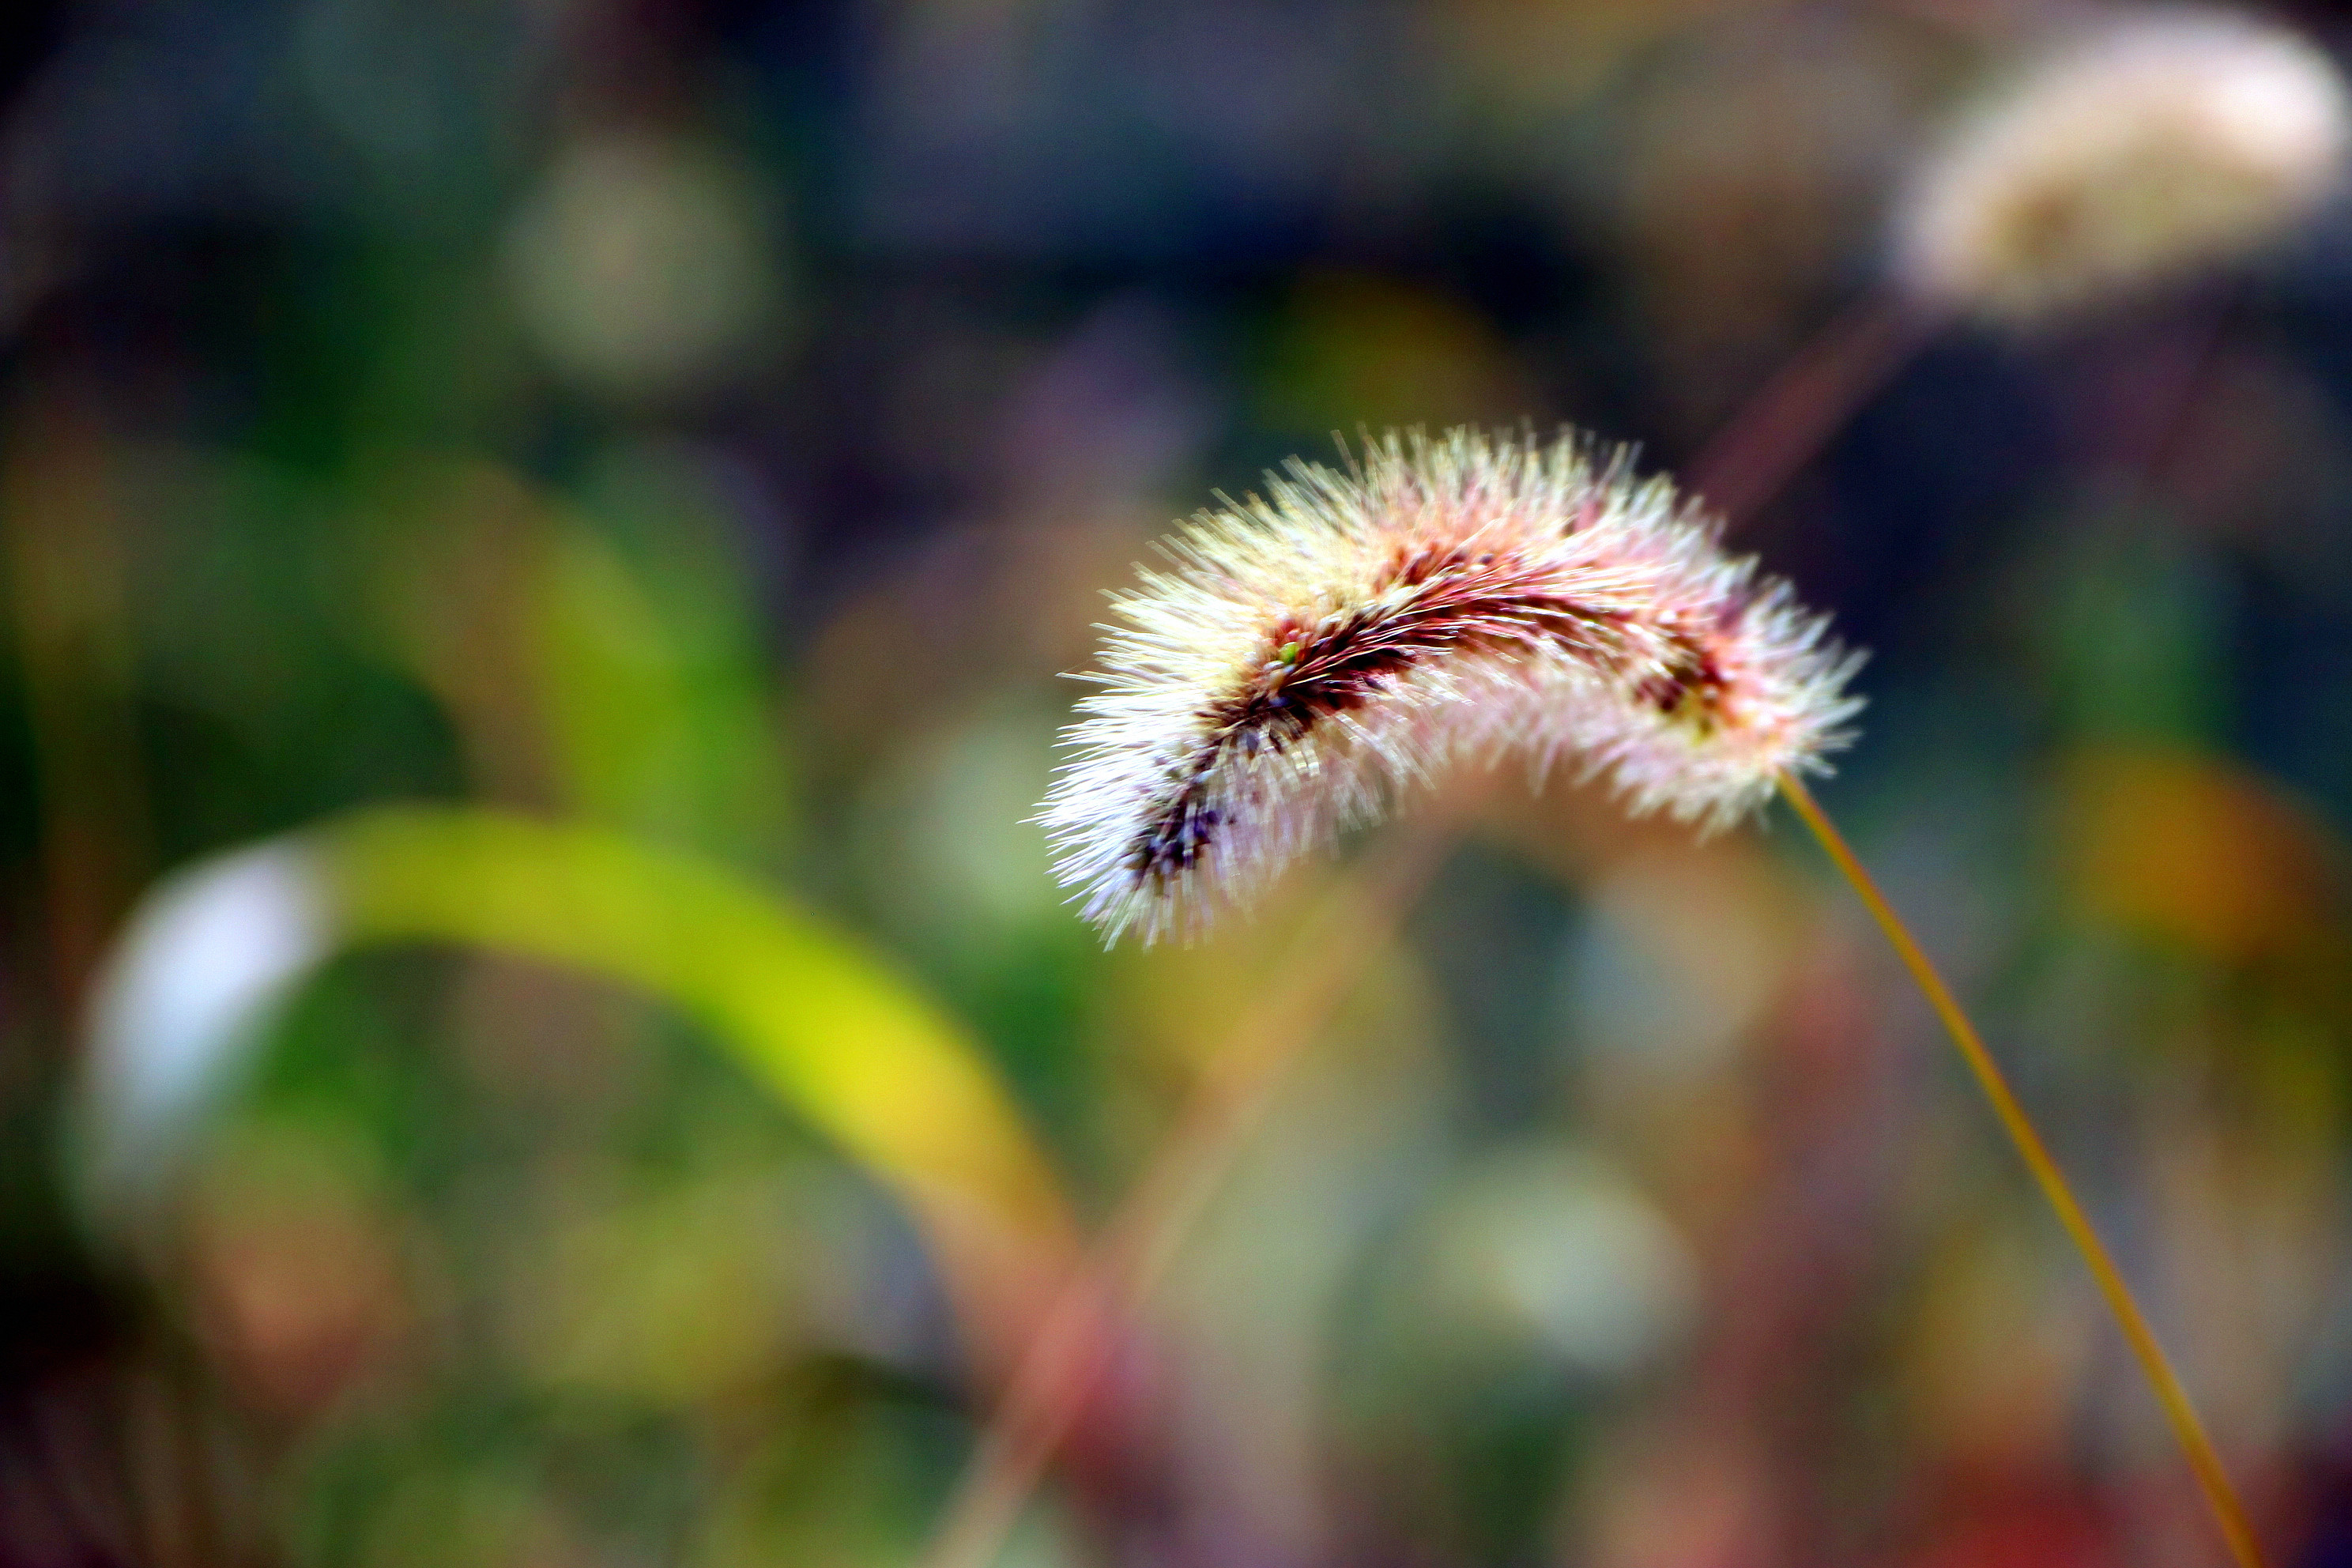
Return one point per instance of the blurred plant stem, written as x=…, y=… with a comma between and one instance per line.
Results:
x=1049, y=1393
x=1785, y=423
x=2139, y=416
x=2212, y=1479
x=66, y=565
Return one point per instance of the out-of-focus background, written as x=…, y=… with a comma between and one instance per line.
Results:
x=706, y=430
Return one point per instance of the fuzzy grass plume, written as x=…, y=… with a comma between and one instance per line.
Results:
x=2145, y=147
x=1355, y=631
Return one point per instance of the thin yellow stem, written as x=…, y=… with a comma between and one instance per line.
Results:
x=2211, y=1479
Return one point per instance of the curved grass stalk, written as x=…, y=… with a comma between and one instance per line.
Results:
x=1056, y=1376
x=2204, y=1461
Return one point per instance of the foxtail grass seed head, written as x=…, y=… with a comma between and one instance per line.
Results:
x=1353, y=632
x=2142, y=151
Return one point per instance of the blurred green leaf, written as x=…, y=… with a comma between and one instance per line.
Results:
x=804, y=1008
x=838, y=1037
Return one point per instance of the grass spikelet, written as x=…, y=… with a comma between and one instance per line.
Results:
x=2142, y=150
x=1310, y=653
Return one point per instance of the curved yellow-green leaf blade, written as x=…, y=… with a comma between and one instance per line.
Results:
x=840, y=1039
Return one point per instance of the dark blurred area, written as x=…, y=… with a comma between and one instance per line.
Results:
x=715, y=426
